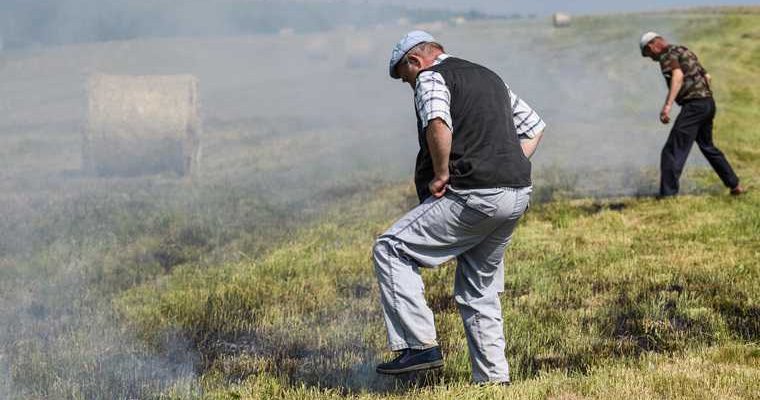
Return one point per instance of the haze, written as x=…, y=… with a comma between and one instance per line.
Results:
x=545, y=7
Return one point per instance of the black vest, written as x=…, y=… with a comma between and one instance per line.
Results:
x=485, y=150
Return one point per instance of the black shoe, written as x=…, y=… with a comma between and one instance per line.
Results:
x=738, y=190
x=412, y=360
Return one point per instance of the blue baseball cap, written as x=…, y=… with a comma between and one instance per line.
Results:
x=406, y=43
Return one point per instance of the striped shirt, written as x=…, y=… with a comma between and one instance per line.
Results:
x=432, y=98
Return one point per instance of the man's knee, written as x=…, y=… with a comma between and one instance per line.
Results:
x=381, y=254
x=380, y=248
x=667, y=151
x=485, y=302
x=708, y=148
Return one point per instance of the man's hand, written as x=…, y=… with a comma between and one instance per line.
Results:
x=529, y=145
x=437, y=186
x=665, y=114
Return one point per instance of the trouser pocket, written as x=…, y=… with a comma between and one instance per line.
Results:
x=474, y=206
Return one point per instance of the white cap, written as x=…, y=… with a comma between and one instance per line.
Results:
x=645, y=39
x=406, y=43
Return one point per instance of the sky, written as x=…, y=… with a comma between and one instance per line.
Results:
x=545, y=7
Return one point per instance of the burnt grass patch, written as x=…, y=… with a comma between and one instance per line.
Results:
x=740, y=313
x=300, y=360
x=742, y=319
x=571, y=363
x=441, y=302
x=354, y=288
x=186, y=244
x=653, y=321
x=597, y=207
x=635, y=321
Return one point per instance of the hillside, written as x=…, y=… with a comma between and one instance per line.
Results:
x=627, y=298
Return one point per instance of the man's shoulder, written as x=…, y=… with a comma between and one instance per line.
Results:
x=450, y=62
x=454, y=70
x=672, y=56
x=683, y=53
x=455, y=64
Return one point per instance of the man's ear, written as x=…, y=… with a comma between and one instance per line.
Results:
x=415, y=60
x=651, y=49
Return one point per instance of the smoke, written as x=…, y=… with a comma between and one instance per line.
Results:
x=60, y=338
x=547, y=7
x=56, y=22
x=293, y=123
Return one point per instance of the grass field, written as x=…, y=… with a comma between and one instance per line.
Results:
x=624, y=298
x=256, y=282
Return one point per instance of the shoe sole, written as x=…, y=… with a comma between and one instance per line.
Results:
x=418, y=367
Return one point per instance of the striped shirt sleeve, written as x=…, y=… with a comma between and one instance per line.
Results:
x=432, y=98
x=527, y=122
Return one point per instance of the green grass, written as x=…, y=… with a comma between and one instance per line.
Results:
x=593, y=290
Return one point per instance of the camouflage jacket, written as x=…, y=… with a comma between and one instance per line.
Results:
x=695, y=85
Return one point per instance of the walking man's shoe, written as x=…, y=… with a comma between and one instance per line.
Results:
x=410, y=360
x=738, y=190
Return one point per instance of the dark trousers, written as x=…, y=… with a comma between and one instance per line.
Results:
x=694, y=123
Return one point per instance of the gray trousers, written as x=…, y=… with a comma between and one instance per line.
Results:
x=475, y=226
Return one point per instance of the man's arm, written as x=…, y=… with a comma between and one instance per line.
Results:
x=529, y=145
x=529, y=125
x=439, y=143
x=431, y=97
x=676, y=82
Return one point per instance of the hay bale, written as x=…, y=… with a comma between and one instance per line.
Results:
x=458, y=20
x=561, y=20
x=141, y=125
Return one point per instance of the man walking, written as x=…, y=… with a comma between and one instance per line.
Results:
x=689, y=86
x=473, y=181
